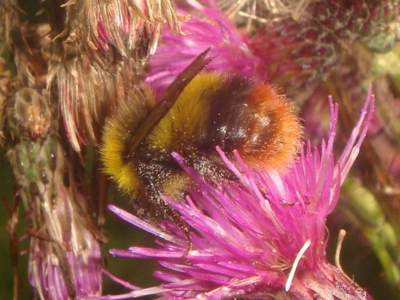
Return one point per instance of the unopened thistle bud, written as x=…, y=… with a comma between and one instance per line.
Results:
x=29, y=115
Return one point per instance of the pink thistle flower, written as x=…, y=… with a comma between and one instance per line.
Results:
x=213, y=30
x=261, y=237
x=65, y=259
x=48, y=272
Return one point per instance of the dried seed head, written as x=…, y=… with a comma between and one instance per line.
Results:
x=87, y=94
x=104, y=48
x=263, y=11
x=128, y=28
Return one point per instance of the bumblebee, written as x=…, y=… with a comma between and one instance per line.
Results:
x=198, y=112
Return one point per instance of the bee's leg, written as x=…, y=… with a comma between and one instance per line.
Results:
x=177, y=219
x=149, y=204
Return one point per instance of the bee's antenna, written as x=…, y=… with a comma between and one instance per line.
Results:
x=167, y=100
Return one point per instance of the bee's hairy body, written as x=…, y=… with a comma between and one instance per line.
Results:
x=213, y=110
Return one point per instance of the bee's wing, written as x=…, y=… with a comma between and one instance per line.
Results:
x=167, y=101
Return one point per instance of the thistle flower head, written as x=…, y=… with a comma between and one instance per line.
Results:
x=129, y=27
x=298, y=53
x=209, y=30
x=105, y=46
x=263, y=235
x=83, y=103
x=64, y=256
x=89, y=94
x=57, y=272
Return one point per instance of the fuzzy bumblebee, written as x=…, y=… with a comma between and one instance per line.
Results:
x=199, y=112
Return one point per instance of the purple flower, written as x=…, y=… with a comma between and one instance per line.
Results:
x=57, y=274
x=261, y=237
x=213, y=30
x=64, y=258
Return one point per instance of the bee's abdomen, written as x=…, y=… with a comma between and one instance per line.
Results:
x=229, y=120
x=255, y=120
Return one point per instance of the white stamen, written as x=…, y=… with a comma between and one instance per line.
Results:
x=295, y=264
x=342, y=234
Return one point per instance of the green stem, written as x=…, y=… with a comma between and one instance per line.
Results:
x=365, y=211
